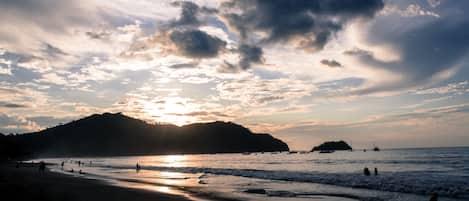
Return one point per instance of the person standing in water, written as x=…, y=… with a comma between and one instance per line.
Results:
x=376, y=171
x=366, y=171
x=434, y=197
x=137, y=167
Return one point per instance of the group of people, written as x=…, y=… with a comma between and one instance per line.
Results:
x=367, y=172
x=72, y=170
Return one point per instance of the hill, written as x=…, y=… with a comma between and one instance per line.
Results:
x=116, y=134
x=332, y=146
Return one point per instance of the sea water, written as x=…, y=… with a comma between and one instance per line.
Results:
x=403, y=174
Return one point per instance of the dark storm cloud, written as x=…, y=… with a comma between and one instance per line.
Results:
x=308, y=23
x=249, y=54
x=196, y=43
x=331, y=63
x=189, y=13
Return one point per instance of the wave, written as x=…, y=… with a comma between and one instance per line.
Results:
x=415, y=182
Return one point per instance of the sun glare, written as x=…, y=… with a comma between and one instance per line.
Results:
x=173, y=110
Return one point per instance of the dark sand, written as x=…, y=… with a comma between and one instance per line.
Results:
x=27, y=183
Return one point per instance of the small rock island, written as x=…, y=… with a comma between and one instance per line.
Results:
x=333, y=146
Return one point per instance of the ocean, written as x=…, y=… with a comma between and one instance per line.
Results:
x=403, y=174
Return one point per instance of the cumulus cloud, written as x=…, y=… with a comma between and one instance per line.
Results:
x=196, y=43
x=331, y=63
x=190, y=13
x=249, y=54
x=308, y=24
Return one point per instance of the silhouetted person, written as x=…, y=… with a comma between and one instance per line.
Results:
x=366, y=171
x=71, y=170
x=137, y=167
x=434, y=197
x=79, y=163
x=62, y=165
x=376, y=171
x=42, y=166
x=80, y=172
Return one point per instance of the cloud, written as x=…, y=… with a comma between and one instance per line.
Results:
x=11, y=105
x=412, y=10
x=357, y=52
x=331, y=63
x=256, y=92
x=451, y=88
x=196, y=43
x=249, y=54
x=189, y=13
x=16, y=124
x=307, y=24
x=183, y=65
x=430, y=51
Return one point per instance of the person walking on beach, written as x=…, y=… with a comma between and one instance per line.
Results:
x=366, y=171
x=376, y=171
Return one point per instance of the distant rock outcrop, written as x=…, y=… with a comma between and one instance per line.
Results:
x=332, y=146
x=116, y=134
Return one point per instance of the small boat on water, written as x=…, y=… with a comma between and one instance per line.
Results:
x=326, y=151
x=376, y=148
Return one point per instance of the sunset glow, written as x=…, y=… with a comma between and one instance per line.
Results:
x=390, y=72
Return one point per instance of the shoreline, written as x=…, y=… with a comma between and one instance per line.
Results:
x=27, y=183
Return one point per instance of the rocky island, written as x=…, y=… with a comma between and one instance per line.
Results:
x=332, y=146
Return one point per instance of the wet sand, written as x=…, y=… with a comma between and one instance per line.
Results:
x=27, y=183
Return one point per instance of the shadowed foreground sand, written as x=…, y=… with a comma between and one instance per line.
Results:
x=27, y=183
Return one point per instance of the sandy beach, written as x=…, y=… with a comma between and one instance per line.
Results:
x=27, y=183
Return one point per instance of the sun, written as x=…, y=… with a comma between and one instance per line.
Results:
x=172, y=110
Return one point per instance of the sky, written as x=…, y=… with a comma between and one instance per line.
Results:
x=389, y=73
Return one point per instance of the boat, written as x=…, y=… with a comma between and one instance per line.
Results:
x=376, y=148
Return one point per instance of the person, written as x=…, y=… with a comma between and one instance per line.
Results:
x=79, y=163
x=366, y=171
x=42, y=166
x=434, y=197
x=62, y=165
x=137, y=167
x=376, y=171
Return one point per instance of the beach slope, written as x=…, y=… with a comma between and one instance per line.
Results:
x=27, y=183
